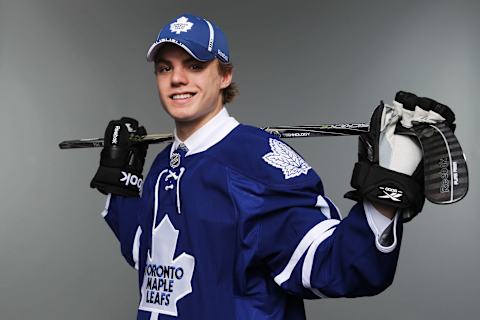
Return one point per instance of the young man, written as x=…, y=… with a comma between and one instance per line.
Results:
x=232, y=223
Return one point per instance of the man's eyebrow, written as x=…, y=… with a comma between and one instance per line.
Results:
x=186, y=60
x=160, y=60
x=191, y=59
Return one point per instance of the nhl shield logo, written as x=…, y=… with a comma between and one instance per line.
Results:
x=181, y=25
x=175, y=160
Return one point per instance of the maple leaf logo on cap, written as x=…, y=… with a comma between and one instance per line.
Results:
x=283, y=157
x=181, y=25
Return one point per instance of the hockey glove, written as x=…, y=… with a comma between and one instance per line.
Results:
x=390, y=168
x=121, y=161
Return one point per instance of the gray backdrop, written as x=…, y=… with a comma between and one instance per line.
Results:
x=67, y=67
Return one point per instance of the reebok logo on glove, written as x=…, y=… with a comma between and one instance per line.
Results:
x=115, y=135
x=390, y=193
x=131, y=179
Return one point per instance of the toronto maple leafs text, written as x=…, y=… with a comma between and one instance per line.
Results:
x=161, y=282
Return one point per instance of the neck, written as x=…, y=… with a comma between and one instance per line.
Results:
x=186, y=128
x=184, y=131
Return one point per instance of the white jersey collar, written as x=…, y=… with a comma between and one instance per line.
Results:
x=208, y=135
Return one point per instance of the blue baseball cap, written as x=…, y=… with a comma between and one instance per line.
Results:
x=202, y=39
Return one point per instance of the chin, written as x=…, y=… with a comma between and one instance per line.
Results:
x=182, y=116
x=179, y=112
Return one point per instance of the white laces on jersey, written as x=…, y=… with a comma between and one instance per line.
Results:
x=182, y=170
x=174, y=179
x=173, y=176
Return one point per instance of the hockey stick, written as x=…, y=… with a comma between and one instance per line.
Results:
x=345, y=129
x=445, y=168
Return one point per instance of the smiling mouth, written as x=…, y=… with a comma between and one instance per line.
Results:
x=182, y=96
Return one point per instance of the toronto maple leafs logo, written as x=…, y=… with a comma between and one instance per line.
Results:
x=166, y=280
x=283, y=157
x=181, y=25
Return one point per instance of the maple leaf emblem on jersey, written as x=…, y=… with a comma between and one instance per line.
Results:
x=283, y=157
x=181, y=25
x=166, y=280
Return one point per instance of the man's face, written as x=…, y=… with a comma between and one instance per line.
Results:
x=190, y=90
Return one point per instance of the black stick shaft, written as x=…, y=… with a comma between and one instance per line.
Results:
x=346, y=129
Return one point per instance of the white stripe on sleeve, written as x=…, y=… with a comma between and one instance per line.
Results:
x=323, y=205
x=107, y=204
x=136, y=246
x=313, y=234
x=308, y=262
x=336, y=208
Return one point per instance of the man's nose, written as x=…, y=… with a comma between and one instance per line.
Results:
x=179, y=76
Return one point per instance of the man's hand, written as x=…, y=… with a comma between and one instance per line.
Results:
x=389, y=172
x=121, y=161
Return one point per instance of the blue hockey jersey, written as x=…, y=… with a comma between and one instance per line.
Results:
x=239, y=227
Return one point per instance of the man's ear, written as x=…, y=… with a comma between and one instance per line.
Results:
x=227, y=77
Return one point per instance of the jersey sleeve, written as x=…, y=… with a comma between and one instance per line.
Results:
x=121, y=215
x=290, y=226
x=124, y=215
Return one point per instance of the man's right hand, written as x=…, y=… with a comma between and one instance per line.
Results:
x=121, y=161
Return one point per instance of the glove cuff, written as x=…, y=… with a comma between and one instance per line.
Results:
x=126, y=183
x=385, y=186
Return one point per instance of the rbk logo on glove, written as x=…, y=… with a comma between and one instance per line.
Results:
x=393, y=194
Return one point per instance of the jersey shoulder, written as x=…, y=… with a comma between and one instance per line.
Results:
x=255, y=153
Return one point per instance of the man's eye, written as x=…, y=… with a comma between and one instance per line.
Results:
x=162, y=69
x=196, y=66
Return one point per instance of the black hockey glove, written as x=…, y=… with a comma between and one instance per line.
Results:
x=389, y=168
x=409, y=101
x=121, y=161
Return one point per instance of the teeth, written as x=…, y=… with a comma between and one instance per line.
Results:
x=182, y=96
